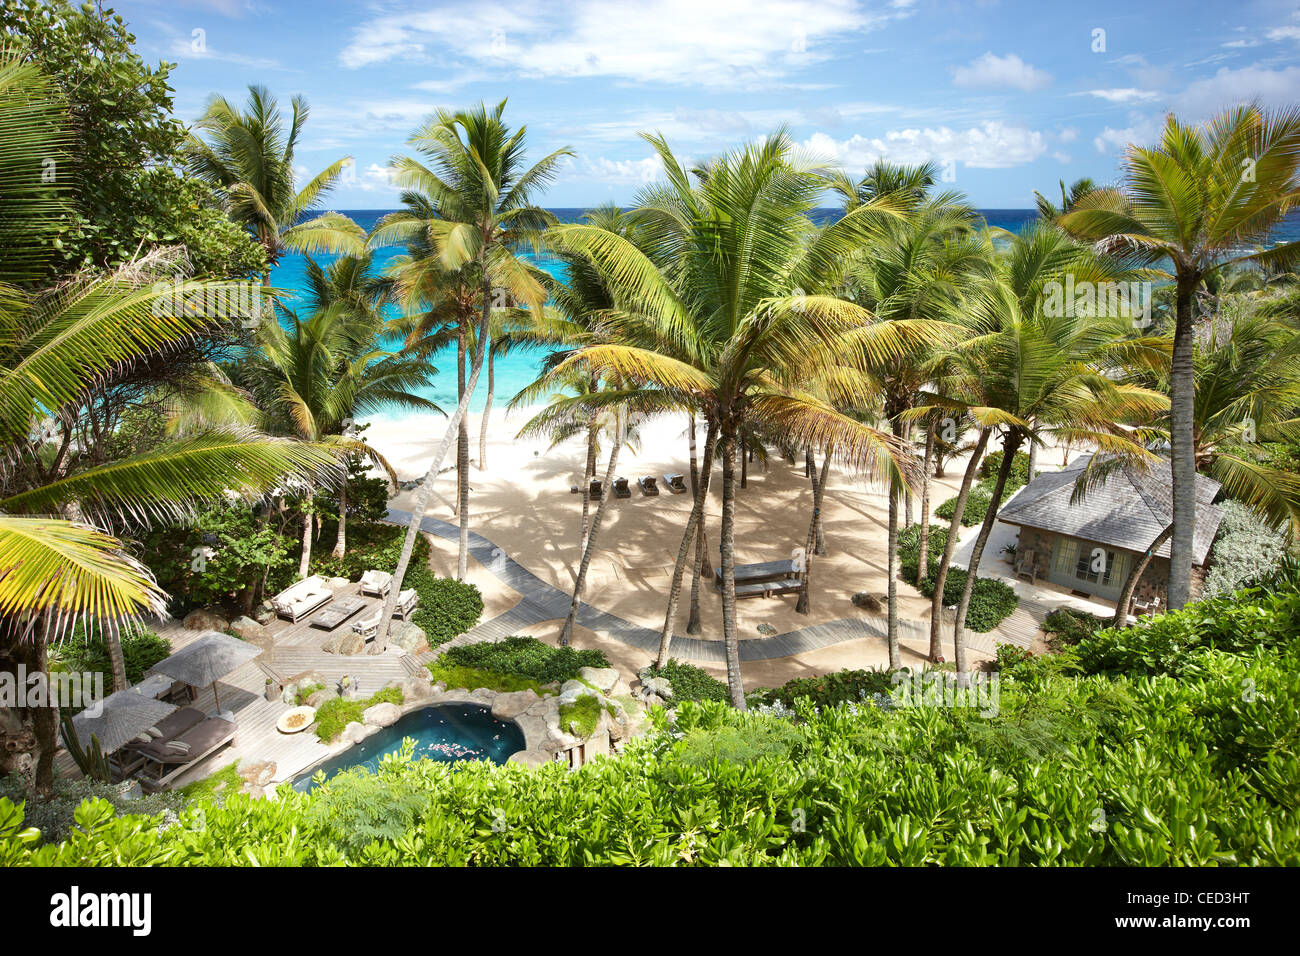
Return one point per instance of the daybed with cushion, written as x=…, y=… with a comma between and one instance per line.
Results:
x=165, y=760
x=304, y=597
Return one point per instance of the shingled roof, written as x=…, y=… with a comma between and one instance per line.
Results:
x=1127, y=512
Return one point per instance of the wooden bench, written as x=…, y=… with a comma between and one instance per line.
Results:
x=756, y=573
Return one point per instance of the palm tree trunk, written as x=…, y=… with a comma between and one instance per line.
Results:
x=907, y=489
x=566, y=635
x=819, y=546
x=1033, y=459
x=425, y=491
x=117, y=660
x=1135, y=575
x=1182, y=397
x=804, y=604
x=695, y=463
x=462, y=467
x=587, y=475
x=487, y=410
x=341, y=542
x=45, y=720
x=305, y=561
x=1010, y=445
x=941, y=576
x=701, y=484
x=923, y=559
x=730, y=641
x=744, y=459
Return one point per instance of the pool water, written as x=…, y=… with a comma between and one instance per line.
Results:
x=448, y=732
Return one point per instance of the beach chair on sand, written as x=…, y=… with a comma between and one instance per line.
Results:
x=648, y=485
x=621, y=490
x=595, y=487
x=676, y=484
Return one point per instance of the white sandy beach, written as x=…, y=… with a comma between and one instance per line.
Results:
x=522, y=502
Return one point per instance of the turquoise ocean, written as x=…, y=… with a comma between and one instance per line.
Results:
x=519, y=369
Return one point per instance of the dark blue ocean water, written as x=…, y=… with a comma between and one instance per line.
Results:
x=519, y=369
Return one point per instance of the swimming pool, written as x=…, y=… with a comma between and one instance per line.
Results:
x=447, y=732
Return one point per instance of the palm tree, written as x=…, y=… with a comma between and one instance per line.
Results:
x=1030, y=372
x=918, y=272
x=1187, y=208
x=713, y=314
x=470, y=204
x=60, y=562
x=318, y=375
x=248, y=158
x=1050, y=212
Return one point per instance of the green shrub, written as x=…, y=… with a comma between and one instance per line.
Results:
x=579, y=717
x=747, y=743
x=1019, y=475
x=84, y=650
x=472, y=678
x=448, y=608
x=333, y=716
x=827, y=690
x=991, y=600
x=691, y=682
x=909, y=548
x=1245, y=548
x=528, y=657
x=1067, y=625
x=977, y=506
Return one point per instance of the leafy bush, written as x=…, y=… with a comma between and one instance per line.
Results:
x=579, y=717
x=84, y=650
x=909, y=548
x=1245, y=548
x=840, y=687
x=54, y=815
x=472, y=678
x=448, y=608
x=1186, y=769
x=333, y=716
x=977, y=506
x=1067, y=625
x=691, y=682
x=1019, y=475
x=525, y=657
x=991, y=600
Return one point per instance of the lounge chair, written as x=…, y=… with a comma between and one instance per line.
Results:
x=131, y=756
x=595, y=487
x=376, y=583
x=407, y=601
x=368, y=627
x=676, y=484
x=166, y=760
x=621, y=490
x=1027, y=567
x=301, y=599
x=648, y=485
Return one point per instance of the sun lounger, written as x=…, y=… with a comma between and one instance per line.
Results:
x=376, y=583
x=131, y=756
x=648, y=485
x=164, y=762
x=407, y=601
x=676, y=484
x=595, y=487
x=621, y=490
x=758, y=573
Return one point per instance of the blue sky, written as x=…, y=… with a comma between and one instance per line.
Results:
x=1008, y=96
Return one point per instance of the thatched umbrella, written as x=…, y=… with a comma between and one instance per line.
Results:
x=120, y=717
x=207, y=659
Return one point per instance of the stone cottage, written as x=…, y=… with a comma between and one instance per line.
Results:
x=1089, y=546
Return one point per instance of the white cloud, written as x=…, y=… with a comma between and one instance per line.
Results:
x=1143, y=130
x=1061, y=157
x=725, y=43
x=1068, y=135
x=999, y=72
x=616, y=172
x=1251, y=83
x=1127, y=94
x=991, y=145
x=1241, y=44
x=1284, y=33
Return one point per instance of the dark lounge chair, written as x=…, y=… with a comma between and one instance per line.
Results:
x=621, y=490
x=165, y=760
x=595, y=487
x=648, y=485
x=131, y=756
x=676, y=484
